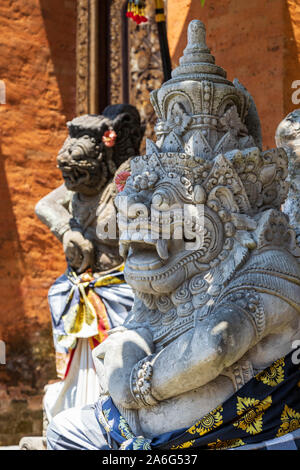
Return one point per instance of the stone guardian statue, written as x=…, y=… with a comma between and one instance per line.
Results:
x=91, y=296
x=205, y=358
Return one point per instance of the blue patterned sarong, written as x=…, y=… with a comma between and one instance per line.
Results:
x=266, y=407
x=86, y=307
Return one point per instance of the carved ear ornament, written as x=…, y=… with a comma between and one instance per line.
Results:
x=273, y=229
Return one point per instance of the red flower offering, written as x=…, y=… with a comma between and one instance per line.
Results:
x=109, y=138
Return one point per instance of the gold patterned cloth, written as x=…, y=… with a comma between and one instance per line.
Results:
x=266, y=407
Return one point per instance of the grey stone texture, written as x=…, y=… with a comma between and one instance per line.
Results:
x=288, y=137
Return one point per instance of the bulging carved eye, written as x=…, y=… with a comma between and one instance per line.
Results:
x=161, y=200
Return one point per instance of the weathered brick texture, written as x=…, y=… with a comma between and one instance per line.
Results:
x=37, y=64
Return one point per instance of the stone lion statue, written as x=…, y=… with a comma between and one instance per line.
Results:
x=204, y=358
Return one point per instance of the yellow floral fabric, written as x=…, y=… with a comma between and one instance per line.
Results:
x=211, y=421
x=251, y=411
x=290, y=421
x=274, y=375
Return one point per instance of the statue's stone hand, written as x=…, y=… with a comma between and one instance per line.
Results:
x=99, y=355
x=118, y=354
x=78, y=250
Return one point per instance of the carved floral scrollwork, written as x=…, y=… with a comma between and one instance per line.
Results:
x=115, y=52
x=144, y=61
x=145, y=67
x=82, y=56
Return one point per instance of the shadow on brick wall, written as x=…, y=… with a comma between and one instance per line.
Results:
x=30, y=358
x=59, y=18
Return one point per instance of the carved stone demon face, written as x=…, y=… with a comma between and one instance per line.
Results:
x=97, y=145
x=81, y=161
x=167, y=231
x=181, y=215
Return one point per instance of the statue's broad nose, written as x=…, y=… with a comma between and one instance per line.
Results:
x=76, y=154
x=62, y=158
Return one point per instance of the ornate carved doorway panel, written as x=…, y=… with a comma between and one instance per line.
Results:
x=117, y=60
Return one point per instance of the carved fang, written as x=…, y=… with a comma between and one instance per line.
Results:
x=162, y=249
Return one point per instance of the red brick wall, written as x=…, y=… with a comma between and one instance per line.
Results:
x=257, y=41
x=37, y=64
